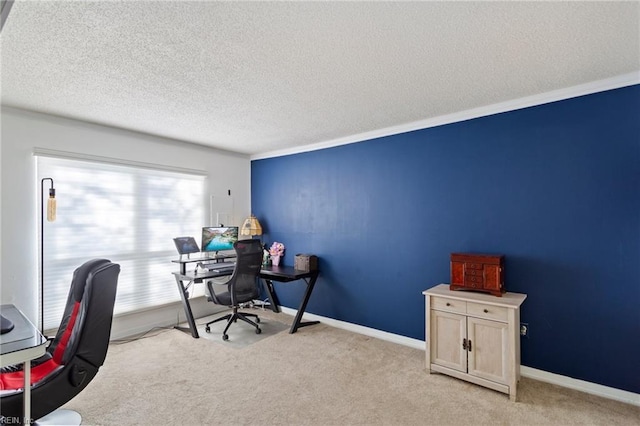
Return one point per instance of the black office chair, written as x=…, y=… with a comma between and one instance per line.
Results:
x=241, y=288
x=74, y=355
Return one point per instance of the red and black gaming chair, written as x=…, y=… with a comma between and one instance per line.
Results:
x=77, y=351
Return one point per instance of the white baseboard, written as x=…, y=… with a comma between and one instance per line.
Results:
x=581, y=385
x=532, y=373
x=371, y=332
x=169, y=315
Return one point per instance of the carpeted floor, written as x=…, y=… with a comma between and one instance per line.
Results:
x=319, y=376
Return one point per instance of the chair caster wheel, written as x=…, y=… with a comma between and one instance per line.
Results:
x=225, y=337
x=207, y=329
x=258, y=320
x=258, y=331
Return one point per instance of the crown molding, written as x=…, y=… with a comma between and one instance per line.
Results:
x=617, y=82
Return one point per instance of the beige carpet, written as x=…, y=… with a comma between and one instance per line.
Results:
x=319, y=376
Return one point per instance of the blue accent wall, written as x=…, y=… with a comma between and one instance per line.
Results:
x=556, y=188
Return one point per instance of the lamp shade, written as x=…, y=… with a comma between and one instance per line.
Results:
x=251, y=227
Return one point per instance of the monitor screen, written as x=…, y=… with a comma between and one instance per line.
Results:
x=219, y=238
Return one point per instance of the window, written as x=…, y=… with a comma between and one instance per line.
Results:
x=127, y=214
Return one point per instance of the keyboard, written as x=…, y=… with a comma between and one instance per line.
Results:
x=221, y=266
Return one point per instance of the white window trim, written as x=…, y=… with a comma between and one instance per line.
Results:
x=133, y=291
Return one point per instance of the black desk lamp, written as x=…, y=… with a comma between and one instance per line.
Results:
x=51, y=217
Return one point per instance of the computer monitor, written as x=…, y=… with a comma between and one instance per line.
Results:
x=218, y=238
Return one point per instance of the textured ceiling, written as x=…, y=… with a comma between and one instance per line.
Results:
x=265, y=76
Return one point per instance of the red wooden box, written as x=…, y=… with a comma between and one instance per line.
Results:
x=479, y=272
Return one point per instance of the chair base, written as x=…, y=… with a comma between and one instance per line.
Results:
x=61, y=417
x=234, y=317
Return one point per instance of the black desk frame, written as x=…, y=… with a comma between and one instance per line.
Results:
x=287, y=274
x=269, y=274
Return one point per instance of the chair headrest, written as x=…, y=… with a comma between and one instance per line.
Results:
x=80, y=276
x=247, y=246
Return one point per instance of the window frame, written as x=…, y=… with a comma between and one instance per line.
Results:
x=145, y=278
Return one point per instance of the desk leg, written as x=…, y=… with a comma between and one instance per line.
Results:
x=271, y=294
x=297, y=323
x=187, y=311
x=26, y=394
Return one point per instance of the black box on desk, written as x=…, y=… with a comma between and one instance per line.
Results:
x=306, y=262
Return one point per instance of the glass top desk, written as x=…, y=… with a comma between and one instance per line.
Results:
x=269, y=274
x=20, y=345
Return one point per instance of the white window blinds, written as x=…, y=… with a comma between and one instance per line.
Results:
x=123, y=213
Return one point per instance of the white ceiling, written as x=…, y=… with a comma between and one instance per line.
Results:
x=265, y=76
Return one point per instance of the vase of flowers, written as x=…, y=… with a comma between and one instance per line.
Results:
x=276, y=252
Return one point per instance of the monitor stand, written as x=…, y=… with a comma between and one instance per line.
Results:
x=6, y=326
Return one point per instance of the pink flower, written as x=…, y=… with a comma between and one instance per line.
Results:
x=277, y=249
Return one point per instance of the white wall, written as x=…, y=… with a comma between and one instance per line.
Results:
x=23, y=131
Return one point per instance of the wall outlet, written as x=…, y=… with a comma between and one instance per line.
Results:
x=524, y=329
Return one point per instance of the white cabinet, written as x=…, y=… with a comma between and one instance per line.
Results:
x=474, y=337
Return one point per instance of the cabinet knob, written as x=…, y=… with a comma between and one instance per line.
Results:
x=448, y=304
x=486, y=311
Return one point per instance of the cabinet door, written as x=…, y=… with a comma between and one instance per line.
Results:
x=447, y=332
x=492, y=277
x=489, y=353
x=457, y=273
